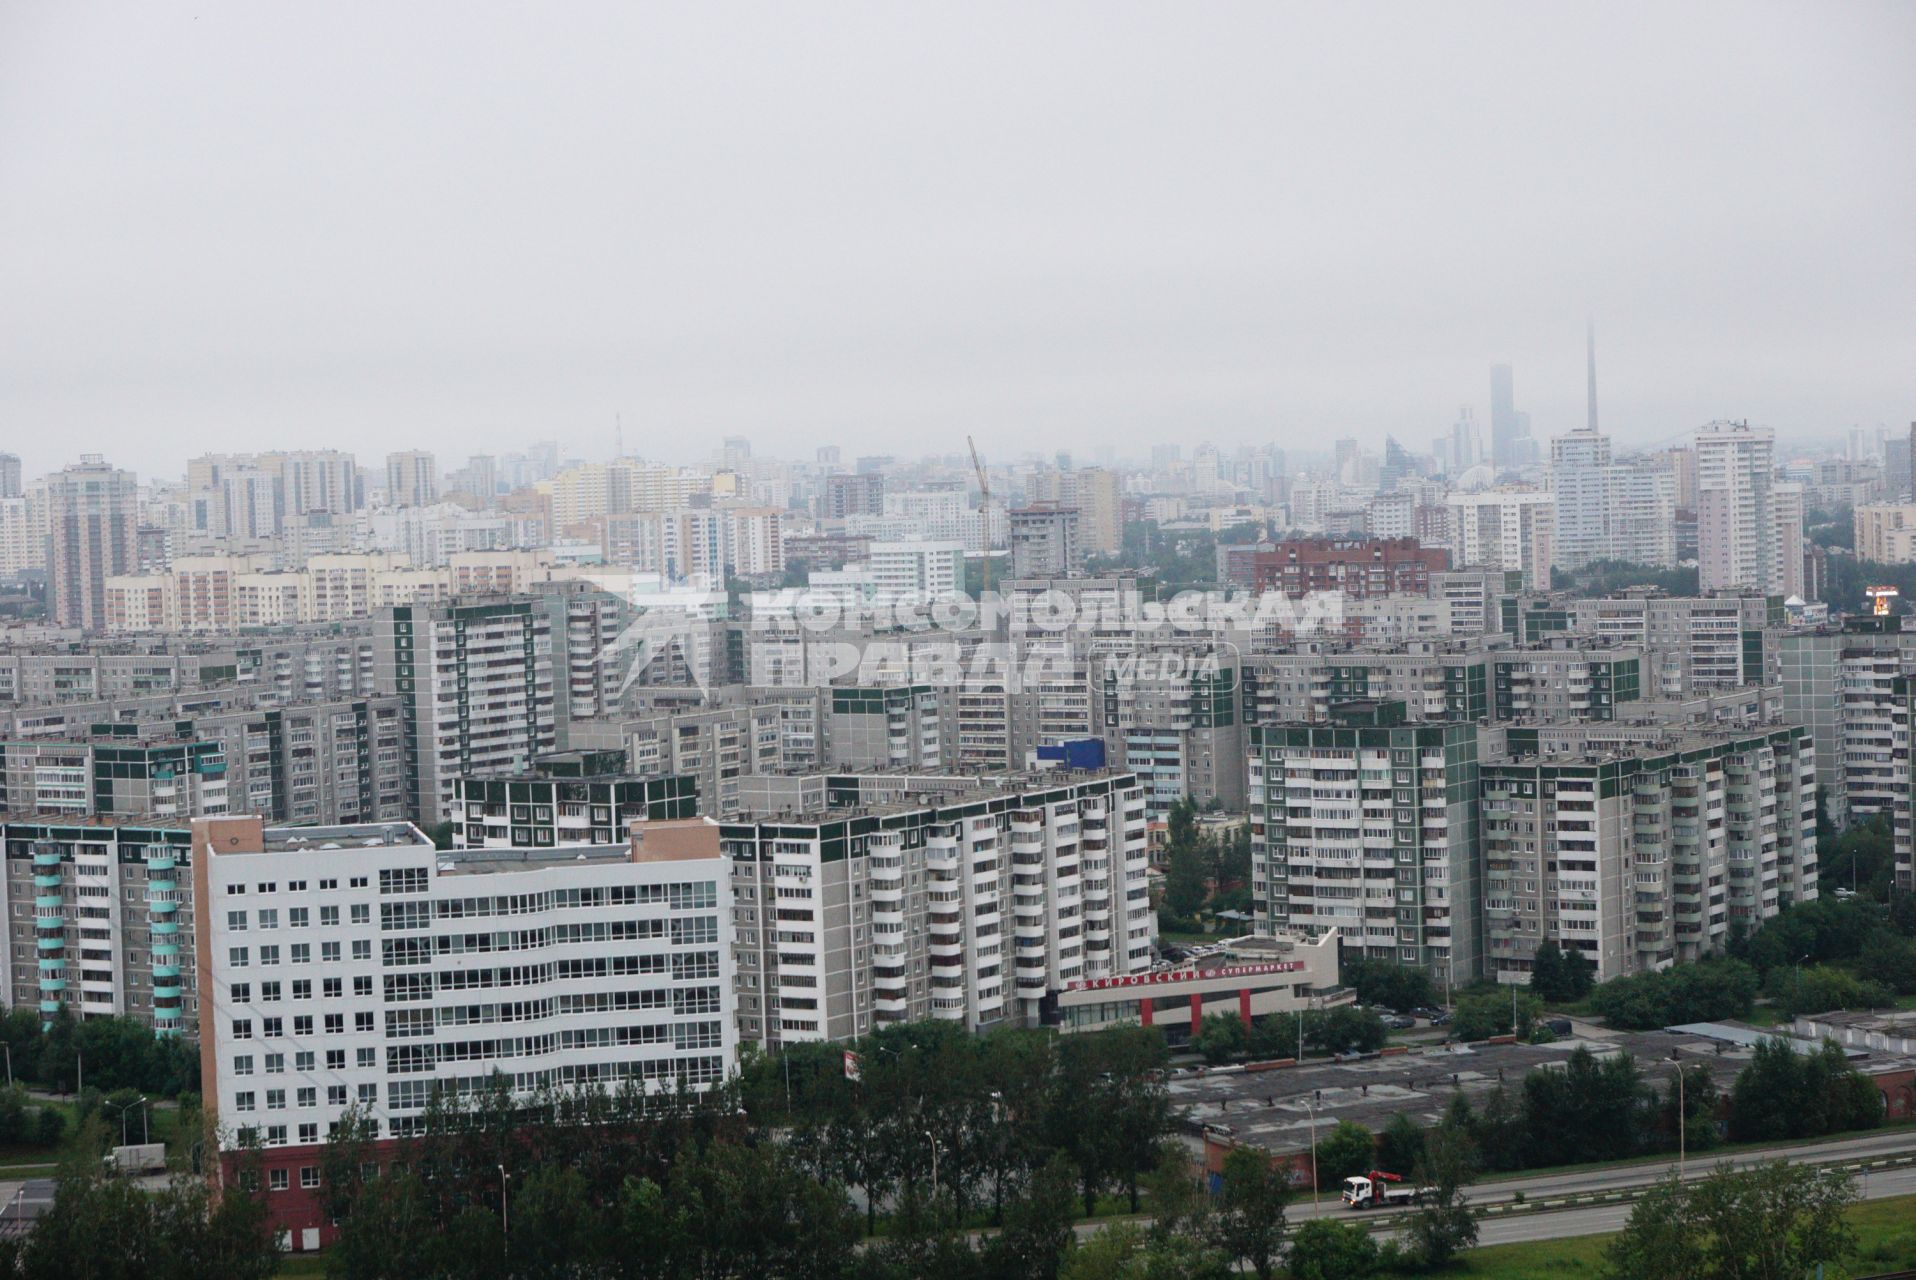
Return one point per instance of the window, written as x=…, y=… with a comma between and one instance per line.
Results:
x=309, y=1176
x=328, y=884
x=242, y=1028
x=272, y=1026
x=275, y=1135
x=329, y=952
x=368, y=1094
x=328, y=917
x=335, y=1024
x=302, y=953
x=367, y=1058
x=358, y=882
x=335, y=1059
x=363, y=949
x=335, y=1095
x=243, y=1100
x=303, y=1025
x=276, y=1099
x=309, y=1132
x=363, y=985
x=302, y=988
x=298, y=917
x=236, y=922
x=332, y=988
x=309, y=1097
x=363, y=1021
x=269, y=918
x=269, y=955
x=243, y=1064
x=303, y=1060
x=362, y=913
x=236, y=957
x=242, y=993
x=269, y=990
x=275, y=1064
x=276, y=1179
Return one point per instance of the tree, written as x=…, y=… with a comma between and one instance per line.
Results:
x=1479, y=1017
x=1037, y=1225
x=1346, y=1150
x=1661, y=1239
x=1444, y=1224
x=1184, y=887
x=1775, y=1221
x=1560, y=976
x=1785, y=1094
x=1250, y=1220
x=1706, y=991
x=1401, y=1145
x=1273, y=1036
x=1324, y=1249
x=1221, y=1037
x=1385, y=984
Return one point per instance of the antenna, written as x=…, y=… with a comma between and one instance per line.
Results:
x=1592, y=339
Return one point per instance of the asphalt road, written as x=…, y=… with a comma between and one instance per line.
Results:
x=1595, y=1219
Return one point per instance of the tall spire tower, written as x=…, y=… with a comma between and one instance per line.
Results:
x=1592, y=335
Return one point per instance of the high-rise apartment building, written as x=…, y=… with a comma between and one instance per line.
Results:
x=1598, y=840
x=1096, y=494
x=319, y=480
x=91, y=514
x=1504, y=529
x=99, y=924
x=340, y=968
x=1045, y=542
x=1368, y=826
x=862, y=494
x=477, y=680
x=1580, y=481
x=10, y=478
x=1737, y=525
x=412, y=479
x=894, y=899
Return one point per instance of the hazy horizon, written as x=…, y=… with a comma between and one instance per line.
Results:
x=468, y=228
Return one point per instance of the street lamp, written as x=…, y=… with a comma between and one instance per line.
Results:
x=934, y=1161
x=1316, y=1205
x=1683, y=1128
x=505, y=1219
x=124, y=1108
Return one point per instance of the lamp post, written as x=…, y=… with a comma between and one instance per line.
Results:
x=1316, y=1205
x=934, y=1161
x=505, y=1219
x=1683, y=1128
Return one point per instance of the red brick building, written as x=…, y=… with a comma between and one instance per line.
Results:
x=1357, y=567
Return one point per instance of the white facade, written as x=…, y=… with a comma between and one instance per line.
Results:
x=1501, y=529
x=360, y=967
x=1737, y=544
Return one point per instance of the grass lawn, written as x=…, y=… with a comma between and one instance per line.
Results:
x=1885, y=1238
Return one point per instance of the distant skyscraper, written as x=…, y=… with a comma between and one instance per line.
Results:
x=1737, y=526
x=1503, y=414
x=412, y=479
x=91, y=514
x=9, y=475
x=1397, y=467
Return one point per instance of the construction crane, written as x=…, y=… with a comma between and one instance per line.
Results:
x=984, y=511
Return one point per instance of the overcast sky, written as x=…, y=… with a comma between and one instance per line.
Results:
x=467, y=226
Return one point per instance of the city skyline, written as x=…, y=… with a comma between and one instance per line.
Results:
x=565, y=220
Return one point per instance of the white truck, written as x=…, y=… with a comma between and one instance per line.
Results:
x=141, y=1157
x=1378, y=1188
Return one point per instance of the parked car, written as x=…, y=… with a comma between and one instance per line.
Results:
x=1398, y=1022
x=1558, y=1026
x=1439, y=1020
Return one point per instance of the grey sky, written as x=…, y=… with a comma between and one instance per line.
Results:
x=464, y=227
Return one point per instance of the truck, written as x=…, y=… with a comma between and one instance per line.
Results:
x=141, y=1157
x=1369, y=1190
